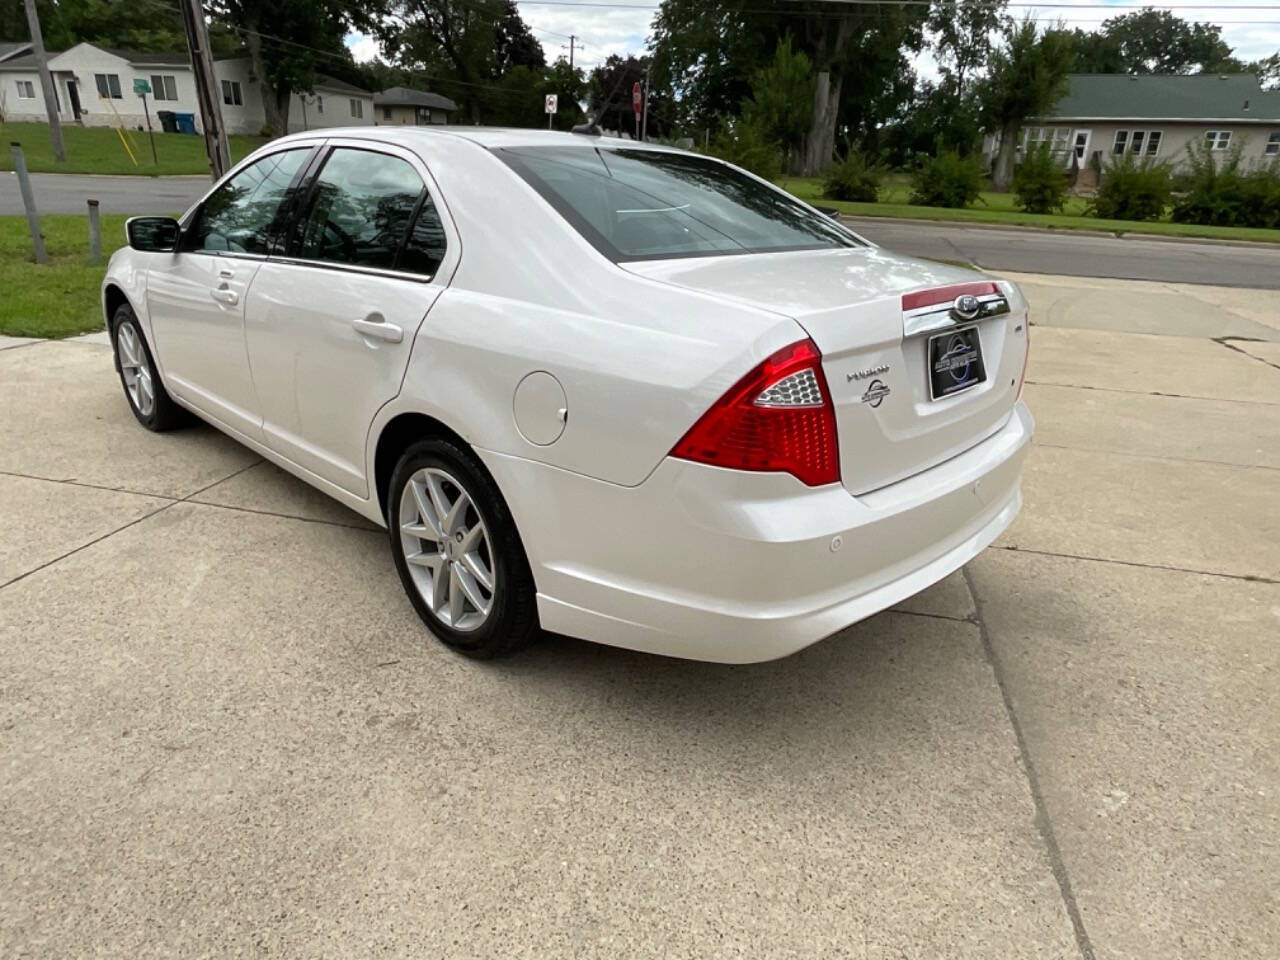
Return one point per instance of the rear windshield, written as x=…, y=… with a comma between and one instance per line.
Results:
x=648, y=205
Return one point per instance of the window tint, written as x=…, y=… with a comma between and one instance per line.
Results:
x=359, y=209
x=424, y=247
x=643, y=204
x=240, y=215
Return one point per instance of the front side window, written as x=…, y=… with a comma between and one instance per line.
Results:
x=645, y=205
x=359, y=209
x=241, y=215
x=164, y=87
x=231, y=93
x=108, y=86
x=26, y=90
x=1218, y=139
x=1273, y=144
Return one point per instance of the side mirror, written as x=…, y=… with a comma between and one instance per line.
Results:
x=153, y=234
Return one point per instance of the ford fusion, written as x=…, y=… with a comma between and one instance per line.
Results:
x=590, y=386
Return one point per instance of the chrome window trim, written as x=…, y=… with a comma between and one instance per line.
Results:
x=354, y=268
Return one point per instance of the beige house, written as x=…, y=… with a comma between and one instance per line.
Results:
x=94, y=87
x=400, y=105
x=1107, y=115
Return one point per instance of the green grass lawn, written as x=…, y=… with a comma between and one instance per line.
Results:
x=60, y=298
x=99, y=150
x=1000, y=208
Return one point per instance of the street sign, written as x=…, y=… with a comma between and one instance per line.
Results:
x=553, y=101
x=636, y=97
x=141, y=87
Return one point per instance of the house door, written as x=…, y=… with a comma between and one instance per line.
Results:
x=1082, y=146
x=74, y=96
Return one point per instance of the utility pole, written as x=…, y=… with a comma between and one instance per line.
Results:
x=572, y=40
x=215, y=135
x=46, y=82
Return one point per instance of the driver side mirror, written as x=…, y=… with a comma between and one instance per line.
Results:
x=153, y=234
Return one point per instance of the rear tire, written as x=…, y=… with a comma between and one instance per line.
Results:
x=458, y=552
x=145, y=393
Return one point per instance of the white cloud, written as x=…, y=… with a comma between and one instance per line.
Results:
x=362, y=47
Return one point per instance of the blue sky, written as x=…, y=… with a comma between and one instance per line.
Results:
x=624, y=28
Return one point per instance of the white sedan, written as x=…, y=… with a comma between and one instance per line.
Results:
x=601, y=388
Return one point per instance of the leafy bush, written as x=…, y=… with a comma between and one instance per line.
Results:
x=947, y=180
x=747, y=145
x=1039, y=184
x=1133, y=189
x=1216, y=189
x=852, y=179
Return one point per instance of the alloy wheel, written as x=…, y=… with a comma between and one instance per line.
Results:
x=135, y=368
x=447, y=547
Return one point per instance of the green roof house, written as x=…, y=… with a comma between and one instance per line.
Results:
x=1105, y=115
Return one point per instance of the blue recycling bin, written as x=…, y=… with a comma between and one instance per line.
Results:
x=186, y=122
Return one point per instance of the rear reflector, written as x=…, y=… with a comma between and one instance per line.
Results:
x=778, y=418
x=930, y=298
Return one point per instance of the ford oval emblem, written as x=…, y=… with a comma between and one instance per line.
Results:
x=966, y=307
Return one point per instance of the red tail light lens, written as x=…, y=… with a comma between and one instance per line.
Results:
x=778, y=418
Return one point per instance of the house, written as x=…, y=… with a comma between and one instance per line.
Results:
x=93, y=86
x=400, y=105
x=1105, y=115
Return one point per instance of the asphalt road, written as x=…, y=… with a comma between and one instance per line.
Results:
x=1025, y=251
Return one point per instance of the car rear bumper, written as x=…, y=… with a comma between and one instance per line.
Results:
x=713, y=564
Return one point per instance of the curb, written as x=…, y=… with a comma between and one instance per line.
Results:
x=1062, y=231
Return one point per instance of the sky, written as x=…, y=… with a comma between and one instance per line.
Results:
x=604, y=27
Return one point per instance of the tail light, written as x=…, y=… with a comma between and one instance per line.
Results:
x=778, y=418
x=1022, y=377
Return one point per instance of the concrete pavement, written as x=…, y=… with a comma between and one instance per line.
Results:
x=224, y=730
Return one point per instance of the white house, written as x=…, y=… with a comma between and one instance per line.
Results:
x=93, y=87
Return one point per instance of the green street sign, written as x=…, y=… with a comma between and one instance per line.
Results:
x=141, y=87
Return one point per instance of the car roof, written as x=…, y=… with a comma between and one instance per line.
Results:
x=488, y=137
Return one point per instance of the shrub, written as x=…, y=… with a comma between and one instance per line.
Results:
x=852, y=179
x=746, y=145
x=947, y=180
x=1217, y=190
x=1039, y=184
x=1133, y=189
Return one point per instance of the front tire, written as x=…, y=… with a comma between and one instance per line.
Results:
x=147, y=397
x=458, y=553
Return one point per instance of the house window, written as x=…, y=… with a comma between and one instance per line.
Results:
x=1273, y=144
x=1217, y=139
x=164, y=87
x=1055, y=137
x=26, y=90
x=1122, y=140
x=1153, y=142
x=108, y=86
x=1136, y=141
x=386, y=113
x=231, y=93
x=357, y=109
x=319, y=104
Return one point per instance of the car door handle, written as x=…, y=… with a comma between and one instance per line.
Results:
x=226, y=273
x=382, y=330
x=223, y=295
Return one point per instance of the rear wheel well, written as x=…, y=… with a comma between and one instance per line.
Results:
x=113, y=298
x=401, y=431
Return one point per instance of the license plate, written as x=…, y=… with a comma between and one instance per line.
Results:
x=955, y=362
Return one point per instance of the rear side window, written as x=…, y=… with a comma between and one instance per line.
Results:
x=241, y=215
x=424, y=247
x=359, y=209
x=644, y=204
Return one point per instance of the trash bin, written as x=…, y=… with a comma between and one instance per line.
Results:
x=186, y=122
x=167, y=121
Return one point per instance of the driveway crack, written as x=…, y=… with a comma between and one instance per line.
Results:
x=1042, y=820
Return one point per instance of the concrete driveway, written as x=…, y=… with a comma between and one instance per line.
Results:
x=223, y=730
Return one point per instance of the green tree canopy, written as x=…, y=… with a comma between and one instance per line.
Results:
x=1152, y=41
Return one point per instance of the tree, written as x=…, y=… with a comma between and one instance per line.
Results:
x=1027, y=76
x=782, y=98
x=1153, y=41
x=290, y=41
x=1267, y=70
x=110, y=23
x=610, y=88
x=962, y=38
x=514, y=44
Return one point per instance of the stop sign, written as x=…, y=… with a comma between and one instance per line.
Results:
x=635, y=96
